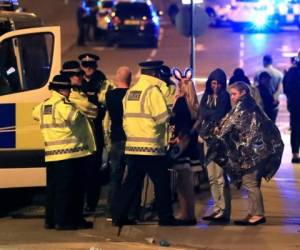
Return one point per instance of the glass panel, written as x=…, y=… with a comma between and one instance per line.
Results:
x=107, y=4
x=128, y=10
x=25, y=62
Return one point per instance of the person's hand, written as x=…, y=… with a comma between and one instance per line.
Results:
x=174, y=140
x=216, y=130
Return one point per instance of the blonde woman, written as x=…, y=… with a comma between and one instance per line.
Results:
x=184, y=115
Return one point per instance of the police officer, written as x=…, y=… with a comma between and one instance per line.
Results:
x=94, y=85
x=81, y=17
x=145, y=115
x=74, y=72
x=68, y=141
x=86, y=20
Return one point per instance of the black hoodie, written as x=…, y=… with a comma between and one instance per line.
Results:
x=215, y=112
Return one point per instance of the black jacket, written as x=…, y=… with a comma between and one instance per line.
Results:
x=291, y=87
x=211, y=113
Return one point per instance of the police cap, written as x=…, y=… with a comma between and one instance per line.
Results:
x=151, y=65
x=71, y=68
x=89, y=60
x=165, y=71
x=60, y=82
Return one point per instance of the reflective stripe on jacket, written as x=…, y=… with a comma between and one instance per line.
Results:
x=145, y=117
x=66, y=131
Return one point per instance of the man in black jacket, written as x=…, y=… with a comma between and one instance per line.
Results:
x=291, y=86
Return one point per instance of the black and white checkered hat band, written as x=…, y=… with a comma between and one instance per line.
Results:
x=77, y=70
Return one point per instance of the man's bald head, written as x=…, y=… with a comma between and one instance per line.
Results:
x=123, y=76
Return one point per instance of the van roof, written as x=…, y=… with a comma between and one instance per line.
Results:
x=10, y=20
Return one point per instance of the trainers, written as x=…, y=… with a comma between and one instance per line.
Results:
x=210, y=217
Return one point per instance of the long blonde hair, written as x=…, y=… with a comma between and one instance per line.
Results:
x=187, y=89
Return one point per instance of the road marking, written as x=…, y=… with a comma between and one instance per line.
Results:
x=153, y=53
x=242, y=51
x=102, y=48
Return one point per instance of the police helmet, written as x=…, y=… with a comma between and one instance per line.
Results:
x=60, y=82
x=71, y=68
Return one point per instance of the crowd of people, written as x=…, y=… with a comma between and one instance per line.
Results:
x=155, y=125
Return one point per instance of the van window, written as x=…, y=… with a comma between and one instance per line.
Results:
x=128, y=10
x=25, y=62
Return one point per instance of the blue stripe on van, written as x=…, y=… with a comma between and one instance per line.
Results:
x=7, y=125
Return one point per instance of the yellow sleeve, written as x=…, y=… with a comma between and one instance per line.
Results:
x=82, y=104
x=106, y=86
x=69, y=112
x=157, y=106
x=106, y=130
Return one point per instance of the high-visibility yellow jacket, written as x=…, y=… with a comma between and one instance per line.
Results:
x=66, y=131
x=168, y=92
x=145, y=117
x=82, y=103
x=106, y=86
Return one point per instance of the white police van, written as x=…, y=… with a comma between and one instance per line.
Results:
x=30, y=56
x=288, y=12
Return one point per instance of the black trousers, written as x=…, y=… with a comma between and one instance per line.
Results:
x=64, y=192
x=92, y=180
x=92, y=170
x=295, y=131
x=138, y=166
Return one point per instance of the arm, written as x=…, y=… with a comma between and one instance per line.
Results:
x=82, y=103
x=157, y=106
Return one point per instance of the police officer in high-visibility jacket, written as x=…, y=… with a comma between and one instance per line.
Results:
x=68, y=139
x=73, y=70
x=145, y=115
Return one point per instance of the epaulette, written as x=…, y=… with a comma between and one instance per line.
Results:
x=66, y=101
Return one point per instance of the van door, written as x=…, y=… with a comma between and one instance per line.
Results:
x=29, y=60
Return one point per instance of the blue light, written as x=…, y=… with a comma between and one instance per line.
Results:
x=260, y=21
